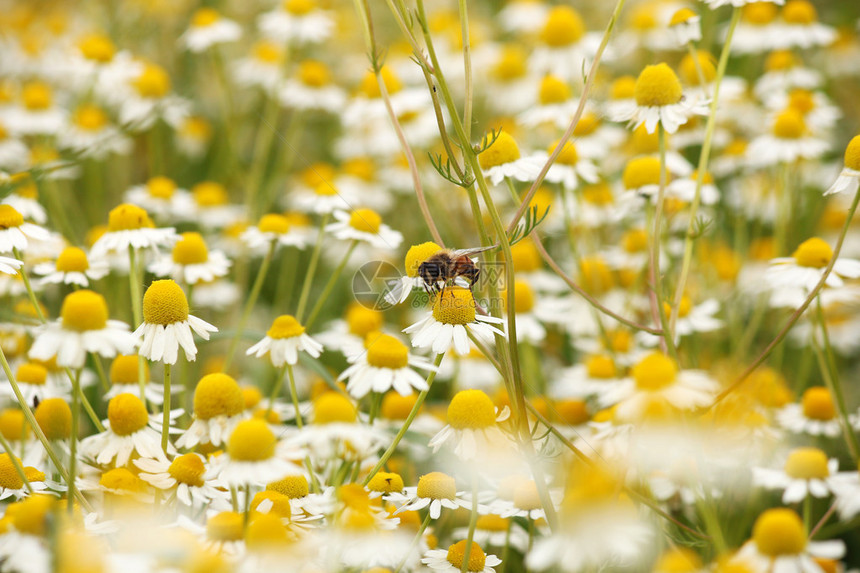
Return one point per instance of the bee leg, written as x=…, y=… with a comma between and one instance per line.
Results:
x=474, y=279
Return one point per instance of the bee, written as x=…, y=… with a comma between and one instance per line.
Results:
x=446, y=265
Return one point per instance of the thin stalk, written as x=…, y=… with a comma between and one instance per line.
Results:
x=88, y=408
x=134, y=288
x=467, y=66
x=294, y=395
x=312, y=267
x=31, y=294
x=100, y=371
x=656, y=294
x=16, y=463
x=262, y=149
x=73, y=437
x=165, y=410
x=330, y=285
x=276, y=389
x=473, y=521
x=415, y=541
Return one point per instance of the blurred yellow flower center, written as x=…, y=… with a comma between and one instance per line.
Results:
x=814, y=252
x=623, y=88
x=789, y=124
x=385, y=482
x=362, y=321
x=280, y=503
x=525, y=257
x=32, y=515
x=553, y=90
x=526, y=496
x=780, y=60
x=10, y=217
x=654, y=372
x=190, y=249
x=807, y=463
x=127, y=217
x=333, y=407
x=72, y=260
x=852, y=154
x=298, y=7
x=417, y=254
x=690, y=73
x=387, y=352
x=363, y=168
x=397, y=407
x=267, y=52
x=365, y=220
x=285, y=326
x=164, y=303
x=684, y=307
x=123, y=369
x=524, y=297
x=595, y=274
x=760, y=13
x=503, y=150
x=471, y=409
x=635, y=241
x=492, y=522
x=204, y=17
x=314, y=73
x=187, y=469
x=84, y=310
x=679, y=560
x=217, y=394
x=818, y=404
x=90, y=118
x=126, y=414
x=600, y=366
x=37, y=96
x=294, y=487
x=454, y=305
x=511, y=64
x=30, y=373
x=210, y=194
x=564, y=26
x=799, y=12
x=97, y=47
x=641, y=171
x=568, y=155
x=657, y=86
x=457, y=553
x=436, y=485
x=12, y=424
x=153, y=82
x=681, y=16
x=598, y=194
x=801, y=100
x=10, y=479
x=370, y=86
x=251, y=441
x=55, y=418
x=273, y=223
x=161, y=187
x=778, y=532
x=266, y=532
x=226, y=526
x=572, y=412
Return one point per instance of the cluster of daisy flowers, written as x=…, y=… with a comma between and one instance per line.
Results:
x=243, y=329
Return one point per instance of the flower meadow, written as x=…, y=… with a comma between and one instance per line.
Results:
x=479, y=286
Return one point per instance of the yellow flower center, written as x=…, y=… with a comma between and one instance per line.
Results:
x=623, y=88
x=454, y=305
x=294, y=487
x=780, y=60
x=760, y=13
x=354, y=496
x=153, y=82
x=285, y=326
x=587, y=125
x=204, y=17
x=471, y=409
x=126, y=414
x=90, y=117
x=553, y=90
x=362, y=321
x=12, y=424
x=852, y=154
x=333, y=407
x=526, y=496
x=600, y=366
x=10, y=479
x=572, y=412
x=365, y=220
x=273, y=223
x=684, y=307
x=127, y=217
x=525, y=257
x=807, y=463
x=457, y=553
x=564, y=26
x=33, y=514
x=36, y=96
x=417, y=254
x=437, y=485
x=511, y=64
x=190, y=249
x=397, y=407
x=598, y=194
x=363, y=168
x=801, y=100
x=568, y=155
x=779, y=531
x=370, y=86
x=678, y=560
x=641, y=171
x=266, y=532
x=635, y=241
x=10, y=217
x=595, y=275
x=657, y=86
x=72, y=260
x=31, y=373
x=524, y=297
x=298, y=7
x=503, y=150
x=690, y=73
x=789, y=124
x=387, y=352
x=196, y=128
x=226, y=526
x=385, y=482
x=217, y=395
x=681, y=16
x=164, y=303
x=655, y=372
x=187, y=469
x=55, y=418
x=161, y=187
x=210, y=194
x=251, y=441
x=799, y=12
x=818, y=404
x=314, y=73
x=267, y=52
x=123, y=369
x=280, y=503
x=814, y=252
x=97, y=47
x=84, y=310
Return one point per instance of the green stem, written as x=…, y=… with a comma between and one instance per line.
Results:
x=31, y=294
x=294, y=395
x=330, y=285
x=134, y=288
x=100, y=371
x=473, y=521
x=262, y=148
x=249, y=305
x=415, y=541
x=165, y=410
x=656, y=240
x=73, y=436
x=312, y=267
x=276, y=389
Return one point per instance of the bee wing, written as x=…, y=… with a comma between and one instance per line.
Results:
x=472, y=251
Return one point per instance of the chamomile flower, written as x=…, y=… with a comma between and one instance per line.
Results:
x=435, y=491
x=91, y=134
x=807, y=471
x=15, y=233
x=400, y=289
x=554, y=105
x=815, y=415
x=659, y=99
x=789, y=140
x=10, y=266
x=713, y=4
x=212, y=208
x=364, y=225
x=251, y=456
x=283, y=341
x=218, y=406
x=800, y=27
x=448, y=325
x=36, y=385
x=451, y=561
x=846, y=489
x=849, y=177
x=525, y=502
x=296, y=22
x=193, y=135
x=146, y=96
x=805, y=267
x=83, y=327
x=594, y=376
x=129, y=226
x=569, y=168
x=686, y=25
x=383, y=366
x=472, y=428
x=262, y=68
x=191, y=261
x=128, y=433
x=312, y=88
x=494, y=531
x=272, y=229
x=163, y=198
x=72, y=267
x=565, y=45
x=502, y=159
x=38, y=113
x=11, y=484
x=183, y=479
x=123, y=376
x=209, y=28
x=167, y=324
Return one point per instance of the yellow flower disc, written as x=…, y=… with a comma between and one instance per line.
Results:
x=90, y=118
x=814, y=252
x=280, y=502
x=387, y=352
x=161, y=187
x=274, y=223
x=526, y=496
x=572, y=412
x=285, y=326
x=491, y=522
x=564, y=26
x=314, y=73
x=251, y=441
x=362, y=320
x=789, y=124
x=690, y=73
x=852, y=154
x=55, y=418
x=437, y=485
x=553, y=90
x=72, y=260
x=33, y=515
x=678, y=560
x=454, y=305
x=10, y=217
x=799, y=12
x=503, y=150
x=657, y=86
x=818, y=404
x=385, y=482
x=187, y=469
x=524, y=297
x=365, y=220
x=525, y=257
x=457, y=553
x=164, y=303
x=127, y=217
x=36, y=96
x=397, y=407
x=600, y=366
x=266, y=532
x=126, y=414
x=97, y=47
x=191, y=249
x=333, y=407
x=204, y=17
x=12, y=424
x=84, y=310
x=807, y=463
x=471, y=409
x=122, y=480
x=210, y=194
x=760, y=13
x=153, y=82
x=226, y=526
x=217, y=395
x=123, y=369
x=778, y=532
x=294, y=487
x=31, y=373
x=654, y=372
x=417, y=254
x=641, y=171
